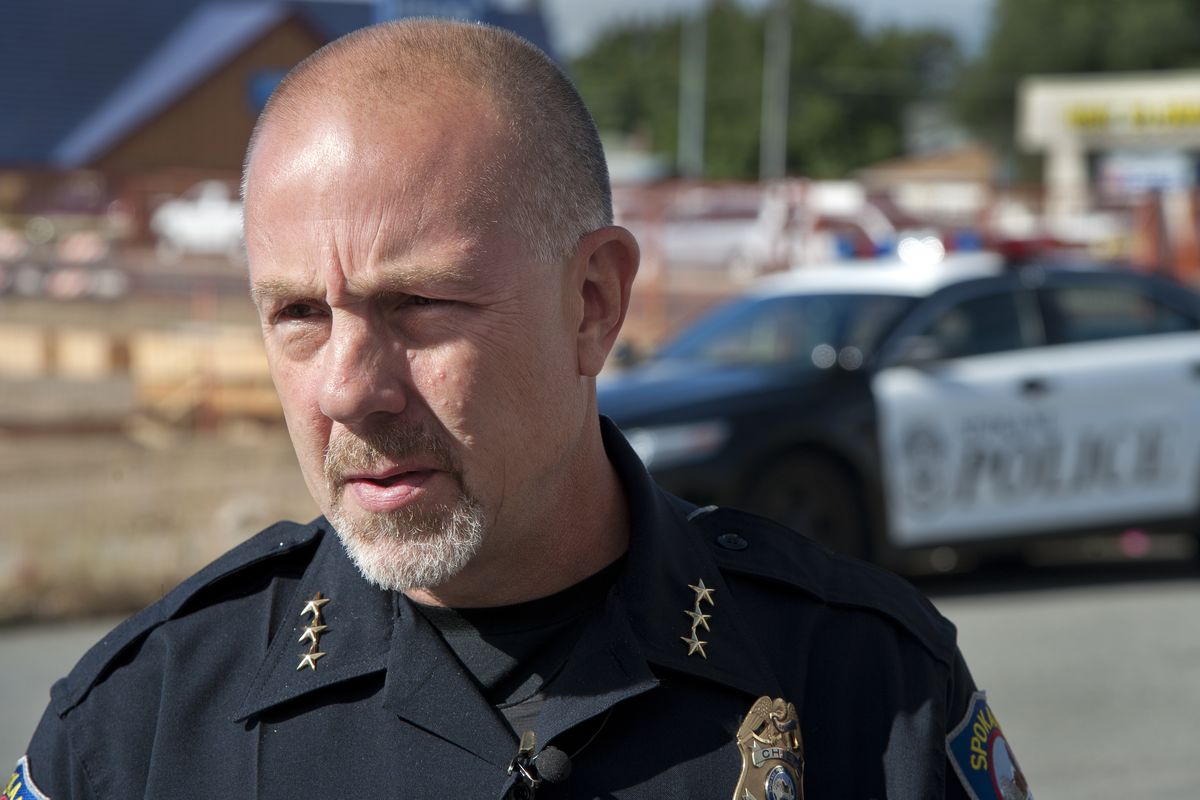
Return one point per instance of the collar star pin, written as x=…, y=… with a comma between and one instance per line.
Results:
x=699, y=620
x=695, y=645
x=703, y=594
x=317, y=602
x=312, y=631
x=309, y=660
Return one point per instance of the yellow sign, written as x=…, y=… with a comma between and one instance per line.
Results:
x=1100, y=117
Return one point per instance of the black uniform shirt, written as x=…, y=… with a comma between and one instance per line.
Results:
x=201, y=695
x=514, y=651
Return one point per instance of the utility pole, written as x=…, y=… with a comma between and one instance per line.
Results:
x=693, y=66
x=777, y=57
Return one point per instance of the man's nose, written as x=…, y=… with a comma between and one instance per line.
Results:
x=365, y=371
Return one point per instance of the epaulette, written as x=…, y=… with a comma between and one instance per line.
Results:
x=748, y=544
x=275, y=541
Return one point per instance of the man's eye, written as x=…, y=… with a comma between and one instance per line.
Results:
x=417, y=300
x=294, y=311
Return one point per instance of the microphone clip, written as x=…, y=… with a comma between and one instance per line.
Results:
x=522, y=765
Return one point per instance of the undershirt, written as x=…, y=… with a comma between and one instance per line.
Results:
x=515, y=652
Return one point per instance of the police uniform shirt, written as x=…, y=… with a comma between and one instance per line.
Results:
x=201, y=695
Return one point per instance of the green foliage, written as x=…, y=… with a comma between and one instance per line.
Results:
x=848, y=87
x=734, y=96
x=631, y=80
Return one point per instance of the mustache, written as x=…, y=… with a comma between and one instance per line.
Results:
x=363, y=452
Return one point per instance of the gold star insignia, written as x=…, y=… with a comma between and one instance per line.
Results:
x=311, y=632
x=699, y=619
x=703, y=594
x=694, y=645
x=309, y=660
x=313, y=606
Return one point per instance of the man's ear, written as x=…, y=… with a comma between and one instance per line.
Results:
x=607, y=260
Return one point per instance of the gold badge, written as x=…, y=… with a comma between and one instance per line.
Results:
x=772, y=752
x=312, y=631
x=694, y=643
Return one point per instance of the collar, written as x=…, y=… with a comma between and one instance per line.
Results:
x=667, y=556
x=358, y=618
x=370, y=630
x=644, y=622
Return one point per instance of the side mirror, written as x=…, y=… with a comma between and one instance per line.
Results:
x=917, y=351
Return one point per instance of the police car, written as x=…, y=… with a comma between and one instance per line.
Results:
x=886, y=408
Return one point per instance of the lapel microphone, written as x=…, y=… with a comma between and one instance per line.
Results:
x=551, y=766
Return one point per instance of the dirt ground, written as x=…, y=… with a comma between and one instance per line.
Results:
x=106, y=523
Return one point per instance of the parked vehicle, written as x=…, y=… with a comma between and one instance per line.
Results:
x=883, y=408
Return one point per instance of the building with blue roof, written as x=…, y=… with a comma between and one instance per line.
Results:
x=133, y=86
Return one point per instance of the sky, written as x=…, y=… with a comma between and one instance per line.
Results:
x=575, y=23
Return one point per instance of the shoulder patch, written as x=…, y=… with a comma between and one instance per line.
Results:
x=277, y=540
x=21, y=785
x=748, y=544
x=982, y=757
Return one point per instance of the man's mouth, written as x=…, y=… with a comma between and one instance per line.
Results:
x=390, y=469
x=388, y=491
x=390, y=480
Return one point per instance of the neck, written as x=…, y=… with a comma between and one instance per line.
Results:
x=582, y=528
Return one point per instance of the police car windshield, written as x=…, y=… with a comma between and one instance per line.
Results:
x=815, y=330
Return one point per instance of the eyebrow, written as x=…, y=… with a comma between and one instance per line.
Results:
x=274, y=289
x=395, y=283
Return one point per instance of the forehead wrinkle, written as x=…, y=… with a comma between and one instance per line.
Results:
x=352, y=241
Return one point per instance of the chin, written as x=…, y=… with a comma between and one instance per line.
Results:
x=412, y=548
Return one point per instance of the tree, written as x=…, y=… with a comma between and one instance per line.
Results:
x=849, y=87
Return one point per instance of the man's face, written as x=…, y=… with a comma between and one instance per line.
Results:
x=427, y=368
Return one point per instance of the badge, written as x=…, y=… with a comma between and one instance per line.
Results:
x=21, y=786
x=982, y=758
x=772, y=752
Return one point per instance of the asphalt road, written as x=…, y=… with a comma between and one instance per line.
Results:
x=1094, y=675
x=1095, y=682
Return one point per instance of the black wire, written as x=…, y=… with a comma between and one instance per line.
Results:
x=603, y=722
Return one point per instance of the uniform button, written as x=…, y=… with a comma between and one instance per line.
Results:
x=732, y=541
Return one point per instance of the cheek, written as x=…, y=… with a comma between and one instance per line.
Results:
x=307, y=426
x=447, y=380
x=292, y=385
x=479, y=392
x=519, y=387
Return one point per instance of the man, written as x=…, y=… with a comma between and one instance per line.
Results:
x=497, y=601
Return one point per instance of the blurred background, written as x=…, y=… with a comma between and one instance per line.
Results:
x=747, y=142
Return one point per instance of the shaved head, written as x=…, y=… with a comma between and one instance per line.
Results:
x=551, y=180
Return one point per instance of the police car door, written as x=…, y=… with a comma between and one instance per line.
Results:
x=964, y=416
x=1125, y=364
x=1097, y=427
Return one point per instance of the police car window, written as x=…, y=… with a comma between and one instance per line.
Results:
x=989, y=323
x=1093, y=313
x=796, y=330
